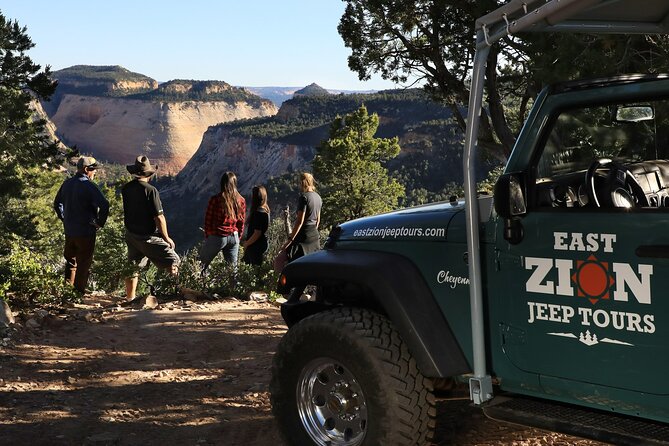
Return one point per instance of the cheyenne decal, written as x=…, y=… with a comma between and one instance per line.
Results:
x=592, y=279
x=453, y=281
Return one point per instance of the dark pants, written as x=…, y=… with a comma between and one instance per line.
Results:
x=306, y=241
x=78, y=255
x=255, y=254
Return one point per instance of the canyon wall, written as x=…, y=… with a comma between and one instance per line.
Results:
x=253, y=160
x=118, y=129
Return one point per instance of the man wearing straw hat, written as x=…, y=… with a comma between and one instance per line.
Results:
x=146, y=227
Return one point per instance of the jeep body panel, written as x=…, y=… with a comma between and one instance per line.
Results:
x=392, y=256
x=596, y=16
x=394, y=286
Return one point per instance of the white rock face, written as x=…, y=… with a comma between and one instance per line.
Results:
x=49, y=128
x=117, y=129
x=253, y=160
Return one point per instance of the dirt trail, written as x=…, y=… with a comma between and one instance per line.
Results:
x=182, y=374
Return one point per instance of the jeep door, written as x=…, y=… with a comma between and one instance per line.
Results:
x=585, y=295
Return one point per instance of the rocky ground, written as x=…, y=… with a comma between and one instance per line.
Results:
x=183, y=373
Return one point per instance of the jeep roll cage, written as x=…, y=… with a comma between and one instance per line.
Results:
x=582, y=16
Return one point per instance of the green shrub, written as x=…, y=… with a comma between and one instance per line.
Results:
x=189, y=271
x=110, y=261
x=222, y=279
x=225, y=279
x=27, y=280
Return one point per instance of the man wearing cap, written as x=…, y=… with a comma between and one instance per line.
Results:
x=83, y=209
x=146, y=227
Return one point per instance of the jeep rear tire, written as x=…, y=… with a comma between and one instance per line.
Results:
x=345, y=377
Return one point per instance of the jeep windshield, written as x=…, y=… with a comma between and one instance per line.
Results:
x=632, y=136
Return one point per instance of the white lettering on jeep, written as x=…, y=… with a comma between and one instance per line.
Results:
x=575, y=241
x=400, y=232
x=620, y=320
x=453, y=281
x=595, y=280
x=591, y=277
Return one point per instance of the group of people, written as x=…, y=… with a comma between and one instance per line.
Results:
x=83, y=210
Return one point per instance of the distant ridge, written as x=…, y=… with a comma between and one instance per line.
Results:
x=193, y=90
x=117, y=81
x=279, y=95
x=113, y=73
x=312, y=90
x=104, y=80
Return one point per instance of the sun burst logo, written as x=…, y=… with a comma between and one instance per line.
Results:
x=592, y=279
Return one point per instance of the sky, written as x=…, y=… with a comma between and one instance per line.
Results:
x=255, y=43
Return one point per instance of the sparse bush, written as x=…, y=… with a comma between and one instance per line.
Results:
x=27, y=280
x=225, y=279
x=276, y=235
x=189, y=272
x=110, y=261
x=222, y=278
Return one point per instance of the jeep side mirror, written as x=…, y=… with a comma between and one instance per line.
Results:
x=510, y=204
x=509, y=196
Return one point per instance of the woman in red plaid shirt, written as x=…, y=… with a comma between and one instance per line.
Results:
x=223, y=223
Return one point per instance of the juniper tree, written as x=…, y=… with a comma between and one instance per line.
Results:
x=431, y=42
x=350, y=172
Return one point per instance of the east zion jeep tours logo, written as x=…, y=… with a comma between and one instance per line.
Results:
x=592, y=280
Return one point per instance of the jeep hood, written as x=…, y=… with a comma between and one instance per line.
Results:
x=428, y=222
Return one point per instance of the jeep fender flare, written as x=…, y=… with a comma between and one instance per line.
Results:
x=398, y=288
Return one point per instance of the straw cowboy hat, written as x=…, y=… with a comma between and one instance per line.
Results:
x=142, y=167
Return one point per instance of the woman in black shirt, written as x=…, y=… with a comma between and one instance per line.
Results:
x=255, y=245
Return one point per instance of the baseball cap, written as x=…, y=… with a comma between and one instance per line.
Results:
x=88, y=162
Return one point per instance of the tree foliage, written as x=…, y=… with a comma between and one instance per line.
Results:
x=349, y=168
x=432, y=42
x=23, y=140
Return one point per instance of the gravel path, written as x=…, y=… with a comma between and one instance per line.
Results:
x=184, y=373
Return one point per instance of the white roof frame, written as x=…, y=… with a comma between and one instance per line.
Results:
x=583, y=16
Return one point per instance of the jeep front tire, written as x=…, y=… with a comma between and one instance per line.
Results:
x=345, y=377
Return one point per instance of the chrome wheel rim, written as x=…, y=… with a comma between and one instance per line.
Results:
x=331, y=404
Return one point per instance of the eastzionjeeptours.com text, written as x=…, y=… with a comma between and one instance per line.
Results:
x=400, y=232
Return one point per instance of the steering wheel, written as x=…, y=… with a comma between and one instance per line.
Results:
x=621, y=189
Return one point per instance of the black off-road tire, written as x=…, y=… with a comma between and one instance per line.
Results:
x=345, y=377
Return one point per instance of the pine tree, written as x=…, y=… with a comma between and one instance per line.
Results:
x=23, y=141
x=348, y=167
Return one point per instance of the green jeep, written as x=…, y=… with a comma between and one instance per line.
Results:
x=549, y=298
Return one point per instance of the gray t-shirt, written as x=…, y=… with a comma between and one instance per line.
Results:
x=310, y=203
